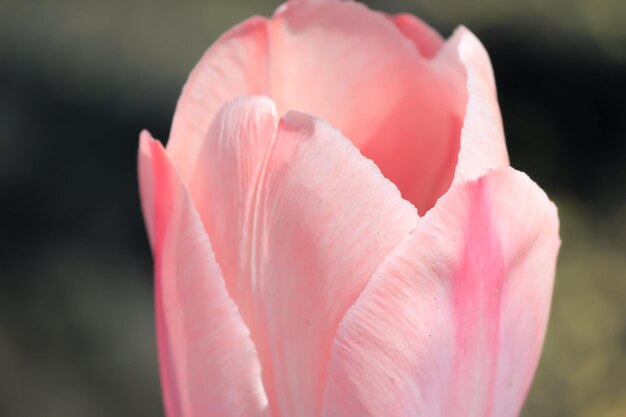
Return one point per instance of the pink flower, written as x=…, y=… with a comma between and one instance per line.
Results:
x=294, y=276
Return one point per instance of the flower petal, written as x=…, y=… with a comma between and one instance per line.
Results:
x=233, y=66
x=299, y=221
x=452, y=322
x=208, y=363
x=427, y=40
x=399, y=107
x=402, y=100
x=482, y=138
x=357, y=70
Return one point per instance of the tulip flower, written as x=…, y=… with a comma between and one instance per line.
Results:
x=336, y=229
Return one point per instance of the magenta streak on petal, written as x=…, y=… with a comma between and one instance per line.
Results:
x=477, y=295
x=171, y=395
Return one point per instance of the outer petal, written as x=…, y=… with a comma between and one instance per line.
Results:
x=299, y=220
x=235, y=65
x=208, y=363
x=482, y=138
x=452, y=323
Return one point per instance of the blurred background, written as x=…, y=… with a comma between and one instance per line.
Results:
x=79, y=79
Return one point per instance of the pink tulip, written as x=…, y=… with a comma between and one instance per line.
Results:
x=294, y=275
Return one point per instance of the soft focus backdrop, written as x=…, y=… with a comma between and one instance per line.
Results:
x=79, y=79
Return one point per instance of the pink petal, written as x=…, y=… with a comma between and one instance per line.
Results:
x=400, y=108
x=208, y=363
x=482, y=139
x=452, y=323
x=299, y=221
x=427, y=40
x=354, y=68
x=233, y=66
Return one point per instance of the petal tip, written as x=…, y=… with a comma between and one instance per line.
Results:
x=294, y=120
x=427, y=40
x=472, y=52
x=260, y=102
x=145, y=138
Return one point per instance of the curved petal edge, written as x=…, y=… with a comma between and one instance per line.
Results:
x=234, y=65
x=482, y=143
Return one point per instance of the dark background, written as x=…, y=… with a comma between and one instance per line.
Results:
x=79, y=79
